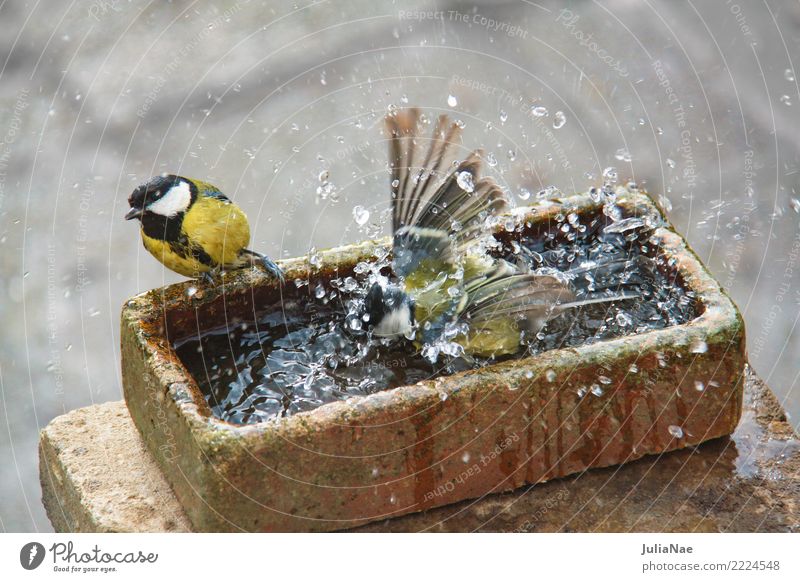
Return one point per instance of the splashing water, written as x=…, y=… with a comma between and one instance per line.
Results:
x=313, y=349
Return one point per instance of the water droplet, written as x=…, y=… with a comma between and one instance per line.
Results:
x=319, y=291
x=786, y=100
x=452, y=101
x=671, y=163
x=550, y=375
x=524, y=194
x=559, y=119
x=582, y=391
x=675, y=431
x=314, y=258
x=350, y=284
x=465, y=457
x=795, y=204
x=610, y=174
x=539, y=111
x=360, y=215
x=788, y=74
x=633, y=369
x=465, y=181
x=393, y=499
x=699, y=347
x=191, y=291
x=491, y=160
x=699, y=386
x=623, y=155
x=597, y=390
x=503, y=116
x=326, y=190
x=323, y=176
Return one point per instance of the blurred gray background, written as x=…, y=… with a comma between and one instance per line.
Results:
x=696, y=101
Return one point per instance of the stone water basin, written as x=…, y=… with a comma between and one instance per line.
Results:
x=443, y=439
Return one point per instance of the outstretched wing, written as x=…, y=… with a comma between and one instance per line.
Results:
x=528, y=299
x=437, y=209
x=507, y=292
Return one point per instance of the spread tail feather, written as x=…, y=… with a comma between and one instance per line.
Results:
x=431, y=194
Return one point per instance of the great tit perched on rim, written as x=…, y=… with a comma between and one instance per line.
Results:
x=448, y=285
x=193, y=228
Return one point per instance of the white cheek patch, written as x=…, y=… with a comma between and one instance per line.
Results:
x=176, y=200
x=396, y=322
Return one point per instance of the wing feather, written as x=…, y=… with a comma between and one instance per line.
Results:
x=427, y=198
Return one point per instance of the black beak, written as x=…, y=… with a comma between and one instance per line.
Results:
x=134, y=213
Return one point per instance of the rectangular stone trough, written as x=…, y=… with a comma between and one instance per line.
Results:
x=452, y=438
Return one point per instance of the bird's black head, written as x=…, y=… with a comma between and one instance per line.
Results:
x=166, y=196
x=390, y=310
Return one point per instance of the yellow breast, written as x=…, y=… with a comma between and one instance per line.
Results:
x=220, y=228
x=214, y=232
x=184, y=265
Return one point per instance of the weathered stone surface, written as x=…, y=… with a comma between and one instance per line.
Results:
x=97, y=476
x=440, y=441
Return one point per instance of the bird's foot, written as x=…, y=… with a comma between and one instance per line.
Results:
x=254, y=258
x=211, y=277
x=273, y=269
x=269, y=265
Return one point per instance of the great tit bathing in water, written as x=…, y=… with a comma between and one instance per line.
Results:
x=448, y=285
x=193, y=228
